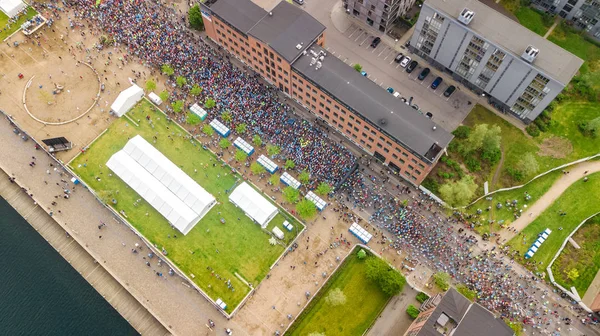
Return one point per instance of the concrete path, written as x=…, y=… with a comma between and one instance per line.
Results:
x=565, y=181
x=394, y=320
x=551, y=29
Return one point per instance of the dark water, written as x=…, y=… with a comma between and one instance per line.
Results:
x=41, y=294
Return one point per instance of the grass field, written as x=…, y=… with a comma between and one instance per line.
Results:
x=579, y=201
x=585, y=260
x=532, y=20
x=238, y=246
x=9, y=28
x=364, y=301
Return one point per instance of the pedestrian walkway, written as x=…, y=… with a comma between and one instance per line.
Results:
x=551, y=29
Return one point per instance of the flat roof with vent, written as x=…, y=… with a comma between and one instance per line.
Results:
x=416, y=132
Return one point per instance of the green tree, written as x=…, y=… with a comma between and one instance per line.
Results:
x=412, y=311
x=306, y=209
x=528, y=164
x=192, y=119
x=150, y=85
x=240, y=156
x=462, y=132
x=357, y=67
x=459, y=192
x=196, y=90
x=291, y=195
x=181, y=81
x=304, y=177
x=256, y=140
x=206, y=129
x=224, y=143
x=466, y=292
x=167, y=70
x=387, y=278
x=273, y=150
x=289, y=164
x=210, y=103
x=336, y=297
x=591, y=127
x=484, y=137
x=274, y=179
x=442, y=280
x=164, y=95
x=323, y=189
x=177, y=106
x=240, y=128
x=256, y=168
x=362, y=254
x=573, y=274
x=195, y=18
x=226, y=116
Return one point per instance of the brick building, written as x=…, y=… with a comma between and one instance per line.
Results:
x=285, y=46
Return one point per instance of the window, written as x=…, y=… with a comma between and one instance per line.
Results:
x=386, y=150
x=335, y=114
x=401, y=161
x=342, y=119
x=411, y=167
x=349, y=124
x=413, y=161
x=369, y=146
x=328, y=109
x=404, y=154
x=364, y=134
x=382, y=139
x=421, y=166
x=417, y=172
x=328, y=101
x=322, y=97
x=355, y=129
x=352, y=117
x=278, y=59
x=336, y=107
x=321, y=104
x=379, y=145
x=371, y=139
x=362, y=141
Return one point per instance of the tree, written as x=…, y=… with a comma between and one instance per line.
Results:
x=306, y=209
x=240, y=155
x=206, y=129
x=289, y=164
x=361, y=254
x=210, y=103
x=591, y=127
x=192, y=119
x=357, y=67
x=459, y=192
x=323, y=189
x=177, y=106
x=573, y=274
x=304, y=177
x=150, y=85
x=273, y=150
x=240, y=128
x=224, y=143
x=462, y=132
x=466, y=292
x=336, y=297
x=256, y=140
x=528, y=164
x=442, y=280
x=196, y=90
x=291, y=194
x=492, y=139
x=181, y=81
x=483, y=137
x=226, y=116
x=164, y=95
x=195, y=18
x=167, y=70
x=256, y=168
x=274, y=179
x=412, y=311
x=389, y=280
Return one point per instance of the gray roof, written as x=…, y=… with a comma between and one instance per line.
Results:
x=241, y=14
x=285, y=27
x=502, y=31
x=374, y=103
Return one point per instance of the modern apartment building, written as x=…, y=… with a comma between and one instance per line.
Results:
x=585, y=14
x=380, y=14
x=285, y=46
x=519, y=71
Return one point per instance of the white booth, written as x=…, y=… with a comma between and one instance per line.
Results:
x=126, y=100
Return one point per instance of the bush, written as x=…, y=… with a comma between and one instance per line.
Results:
x=357, y=67
x=431, y=185
x=362, y=254
x=472, y=163
x=541, y=124
x=442, y=280
x=462, y=132
x=492, y=156
x=516, y=174
x=533, y=130
x=412, y=311
x=422, y=297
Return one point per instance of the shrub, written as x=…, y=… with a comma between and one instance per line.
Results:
x=516, y=174
x=472, y=163
x=462, y=132
x=412, y=311
x=492, y=156
x=533, y=130
x=431, y=185
x=357, y=67
x=422, y=297
x=541, y=124
x=442, y=280
x=362, y=254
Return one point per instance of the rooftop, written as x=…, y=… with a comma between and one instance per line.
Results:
x=502, y=31
x=375, y=104
x=242, y=14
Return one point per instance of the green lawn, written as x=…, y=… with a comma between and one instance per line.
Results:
x=532, y=20
x=9, y=28
x=364, y=302
x=579, y=201
x=585, y=260
x=243, y=247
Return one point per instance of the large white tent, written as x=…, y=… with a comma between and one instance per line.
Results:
x=12, y=7
x=126, y=100
x=253, y=204
x=162, y=184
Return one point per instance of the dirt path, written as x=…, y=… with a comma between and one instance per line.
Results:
x=498, y=170
x=551, y=29
x=565, y=181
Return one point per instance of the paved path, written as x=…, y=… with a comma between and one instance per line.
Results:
x=565, y=181
x=83, y=262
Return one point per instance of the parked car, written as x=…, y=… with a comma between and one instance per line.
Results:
x=449, y=91
x=412, y=66
x=424, y=73
x=436, y=82
x=390, y=90
x=364, y=73
x=405, y=61
x=299, y=2
x=399, y=58
x=375, y=42
x=415, y=106
x=396, y=94
x=429, y=115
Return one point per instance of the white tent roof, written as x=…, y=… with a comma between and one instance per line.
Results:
x=126, y=100
x=11, y=7
x=253, y=204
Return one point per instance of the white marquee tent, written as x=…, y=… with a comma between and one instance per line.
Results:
x=126, y=100
x=253, y=204
x=12, y=7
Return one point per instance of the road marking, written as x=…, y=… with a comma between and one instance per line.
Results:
x=372, y=51
x=365, y=40
x=354, y=31
x=397, y=65
x=359, y=36
x=381, y=52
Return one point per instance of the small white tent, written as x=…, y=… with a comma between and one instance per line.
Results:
x=155, y=98
x=126, y=100
x=12, y=7
x=253, y=204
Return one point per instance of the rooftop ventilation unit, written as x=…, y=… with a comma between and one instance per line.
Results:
x=319, y=65
x=313, y=61
x=382, y=121
x=298, y=46
x=530, y=54
x=466, y=16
